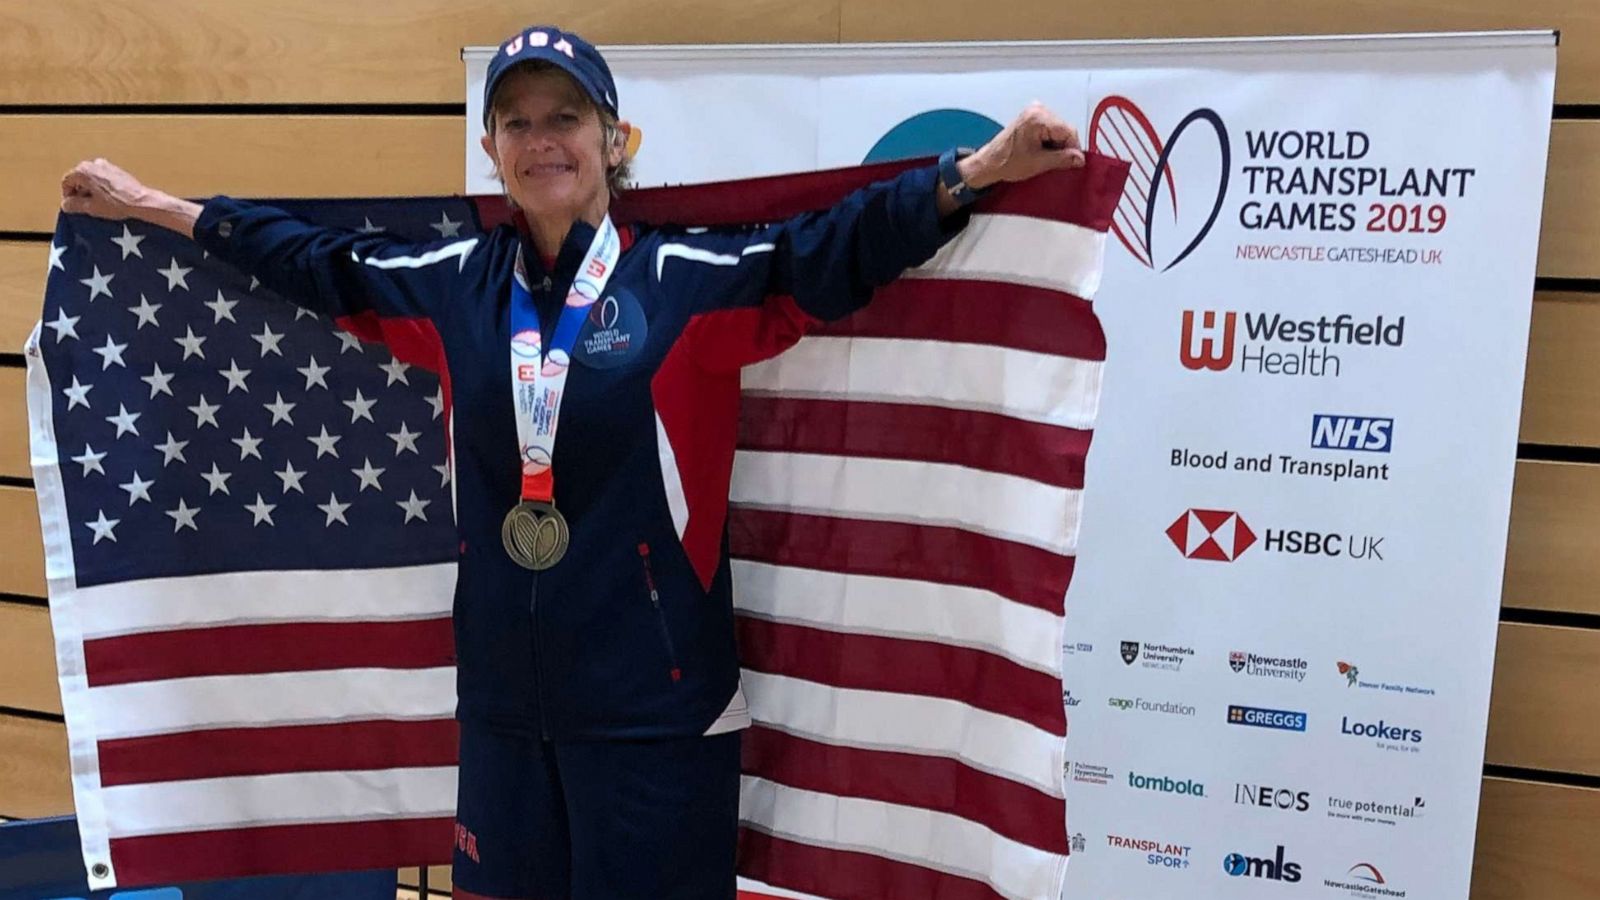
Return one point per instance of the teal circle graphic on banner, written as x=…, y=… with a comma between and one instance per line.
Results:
x=933, y=132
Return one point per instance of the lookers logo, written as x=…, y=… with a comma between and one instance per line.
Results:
x=1147, y=219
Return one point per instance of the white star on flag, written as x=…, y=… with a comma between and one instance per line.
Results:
x=437, y=402
x=314, y=373
x=129, y=242
x=217, y=479
x=124, y=421
x=90, y=461
x=367, y=227
x=235, y=376
x=138, y=489
x=446, y=226
x=77, y=394
x=172, y=450
x=291, y=478
x=191, y=343
x=347, y=341
x=444, y=474
x=268, y=341
x=222, y=307
x=111, y=353
x=64, y=325
x=325, y=443
x=98, y=284
x=335, y=510
x=55, y=257
x=396, y=371
x=279, y=410
x=146, y=311
x=102, y=527
x=183, y=517
x=248, y=445
x=414, y=507
x=404, y=440
x=205, y=412
x=176, y=276
x=360, y=408
x=368, y=476
x=160, y=382
x=262, y=510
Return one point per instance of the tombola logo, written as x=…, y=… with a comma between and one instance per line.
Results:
x=1121, y=129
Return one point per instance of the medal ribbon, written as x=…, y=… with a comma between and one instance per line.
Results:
x=539, y=372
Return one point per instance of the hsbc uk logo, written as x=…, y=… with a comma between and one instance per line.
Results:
x=1273, y=344
x=1220, y=535
x=1149, y=207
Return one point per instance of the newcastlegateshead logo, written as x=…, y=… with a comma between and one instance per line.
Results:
x=1364, y=880
x=1121, y=129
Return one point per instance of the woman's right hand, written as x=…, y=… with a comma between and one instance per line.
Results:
x=102, y=189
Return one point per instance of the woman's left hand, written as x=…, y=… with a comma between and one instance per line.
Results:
x=1036, y=141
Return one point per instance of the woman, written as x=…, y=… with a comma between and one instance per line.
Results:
x=598, y=684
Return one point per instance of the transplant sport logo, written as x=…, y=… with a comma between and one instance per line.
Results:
x=1147, y=217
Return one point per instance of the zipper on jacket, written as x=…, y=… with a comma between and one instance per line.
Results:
x=661, y=617
x=538, y=679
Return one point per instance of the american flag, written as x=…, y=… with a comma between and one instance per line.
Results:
x=249, y=540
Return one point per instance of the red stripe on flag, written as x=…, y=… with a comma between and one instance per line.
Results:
x=276, y=647
x=282, y=850
x=1010, y=809
x=1018, y=572
x=871, y=663
x=1049, y=454
x=848, y=874
x=227, y=752
x=1015, y=316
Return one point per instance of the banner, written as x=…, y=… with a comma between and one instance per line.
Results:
x=1281, y=628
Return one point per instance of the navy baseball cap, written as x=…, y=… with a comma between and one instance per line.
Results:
x=572, y=54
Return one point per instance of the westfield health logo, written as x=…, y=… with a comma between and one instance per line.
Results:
x=1218, y=535
x=1147, y=220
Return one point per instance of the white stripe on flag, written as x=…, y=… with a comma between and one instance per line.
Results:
x=1022, y=250
x=908, y=723
x=858, y=487
x=284, y=698
x=159, y=604
x=241, y=802
x=903, y=608
x=922, y=837
x=1039, y=387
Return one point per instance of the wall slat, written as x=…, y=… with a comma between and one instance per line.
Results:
x=1545, y=711
x=309, y=51
x=27, y=659
x=14, y=423
x=1561, y=395
x=1551, y=561
x=1535, y=842
x=22, y=271
x=34, y=776
x=23, y=571
x=1578, y=76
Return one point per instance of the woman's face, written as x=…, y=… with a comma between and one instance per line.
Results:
x=549, y=146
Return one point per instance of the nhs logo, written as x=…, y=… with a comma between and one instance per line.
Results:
x=1351, y=433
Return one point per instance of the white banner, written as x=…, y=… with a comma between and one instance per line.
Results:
x=1281, y=629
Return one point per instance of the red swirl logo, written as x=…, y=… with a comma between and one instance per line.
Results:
x=1120, y=128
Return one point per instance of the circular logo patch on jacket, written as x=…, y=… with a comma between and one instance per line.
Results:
x=614, y=332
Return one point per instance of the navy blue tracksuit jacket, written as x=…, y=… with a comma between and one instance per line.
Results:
x=645, y=445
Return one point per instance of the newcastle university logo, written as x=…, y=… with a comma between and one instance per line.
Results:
x=1147, y=216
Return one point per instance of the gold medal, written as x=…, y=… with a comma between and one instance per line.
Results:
x=535, y=535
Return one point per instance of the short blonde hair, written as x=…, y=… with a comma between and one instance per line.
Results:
x=618, y=177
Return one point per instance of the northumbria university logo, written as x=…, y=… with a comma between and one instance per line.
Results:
x=1147, y=218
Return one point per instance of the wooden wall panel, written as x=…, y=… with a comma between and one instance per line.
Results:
x=1545, y=711
x=14, y=423
x=35, y=779
x=310, y=51
x=246, y=156
x=22, y=561
x=22, y=271
x=1578, y=77
x=1536, y=842
x=27, y=659
x=1561, y=396
x=1569, y=239
x=1551, y=559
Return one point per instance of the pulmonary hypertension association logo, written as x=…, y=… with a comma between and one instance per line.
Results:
x=1120, y=128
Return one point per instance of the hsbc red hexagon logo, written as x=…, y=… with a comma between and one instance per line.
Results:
x=1213, y=534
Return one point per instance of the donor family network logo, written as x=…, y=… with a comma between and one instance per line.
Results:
x=1147, y=218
